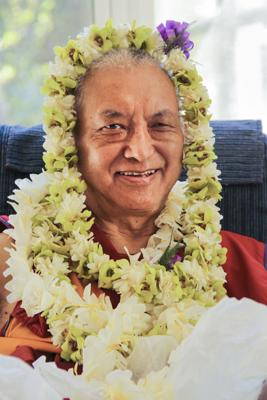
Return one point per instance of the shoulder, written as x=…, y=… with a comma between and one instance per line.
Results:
x=246, y=275
x=241, y=245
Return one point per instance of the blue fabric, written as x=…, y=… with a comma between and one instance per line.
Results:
x=240, y=149
x=24, y=149
x=240, y=146
x=20, y=155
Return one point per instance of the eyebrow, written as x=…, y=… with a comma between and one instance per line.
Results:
x=164, y=113
x=109, y=113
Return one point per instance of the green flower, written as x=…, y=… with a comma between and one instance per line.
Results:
x=56, y=117
x=52, y=87
x=109, y=272
x=103, y=39
x=149, y=288
x=71, y=349
x=196, y=158
x=186, y=78
x=70, y=52
x=55, y=163
x=140, y=37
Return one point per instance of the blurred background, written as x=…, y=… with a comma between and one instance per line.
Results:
x=230, y=48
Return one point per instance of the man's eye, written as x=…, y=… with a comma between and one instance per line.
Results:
x=161, y=125
x=113, y=126
x=114, y=131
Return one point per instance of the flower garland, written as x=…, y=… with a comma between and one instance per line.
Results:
x=161, y=294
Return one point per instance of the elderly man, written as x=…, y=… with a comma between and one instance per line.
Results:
x=130, y=141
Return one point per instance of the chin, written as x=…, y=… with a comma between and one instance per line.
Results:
x=142, y=207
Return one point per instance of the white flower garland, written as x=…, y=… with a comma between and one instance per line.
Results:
x=52, y=227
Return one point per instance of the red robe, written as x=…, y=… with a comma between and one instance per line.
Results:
x=28, y=338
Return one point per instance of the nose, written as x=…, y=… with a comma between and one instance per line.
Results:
x=139, y=145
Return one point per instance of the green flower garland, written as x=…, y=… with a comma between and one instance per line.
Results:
x=52, y=227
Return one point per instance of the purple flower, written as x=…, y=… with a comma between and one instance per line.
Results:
x=175, y=35
x=174, y=260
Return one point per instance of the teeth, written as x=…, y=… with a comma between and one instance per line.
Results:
x=132, y=173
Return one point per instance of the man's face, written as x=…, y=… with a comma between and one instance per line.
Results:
x=130, y=142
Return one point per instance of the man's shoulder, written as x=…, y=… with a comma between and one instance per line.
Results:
x=237, y=237
x=237, y=241
x=244, y=247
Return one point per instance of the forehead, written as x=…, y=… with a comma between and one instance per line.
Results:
x=145, y=85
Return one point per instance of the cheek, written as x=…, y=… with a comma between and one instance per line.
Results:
x=173, y=153
x=95, y=161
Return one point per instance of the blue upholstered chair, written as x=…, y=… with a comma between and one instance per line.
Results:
x=242, y=158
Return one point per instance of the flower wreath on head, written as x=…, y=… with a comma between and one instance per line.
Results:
x=160, y=293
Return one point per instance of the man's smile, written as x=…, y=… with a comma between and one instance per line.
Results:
x=146, y=173
x=137, y=178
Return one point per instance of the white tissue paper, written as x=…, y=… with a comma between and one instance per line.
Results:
x=19, y=381
x=225, y=358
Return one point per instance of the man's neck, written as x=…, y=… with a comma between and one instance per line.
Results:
x=131, y=232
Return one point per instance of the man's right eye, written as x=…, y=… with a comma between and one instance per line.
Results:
x=114, y=131
x=113, y=126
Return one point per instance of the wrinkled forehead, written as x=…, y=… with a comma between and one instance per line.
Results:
x=145, y=83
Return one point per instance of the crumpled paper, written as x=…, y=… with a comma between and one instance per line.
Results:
x=19, y=381
x=225, y=358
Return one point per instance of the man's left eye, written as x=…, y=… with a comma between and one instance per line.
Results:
x=160, y=125
x=113, y=126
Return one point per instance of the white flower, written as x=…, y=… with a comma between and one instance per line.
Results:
x=169, y=292
x=132, y=316
x=79, y=245
x=53, y=267
x=36, y=296
x=206, y=171
x=31, y=190
x=65, y=296
x=58, y=328
x=19, y=267
x=94, y=314
x=216, y=274
x=56, y=144
x=181, y=318
x=157, y=386
x=177, y=61
x=96, y=260
x=63, y=105
x=201, y=132
x=193, y=269
x=100, y=356
x=42, y=235
x=62, y=68
x=22, y=231
x=71, y=206
x=121, y=387
x=132, y=276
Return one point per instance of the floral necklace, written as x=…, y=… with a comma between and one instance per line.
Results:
x=160, y=294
